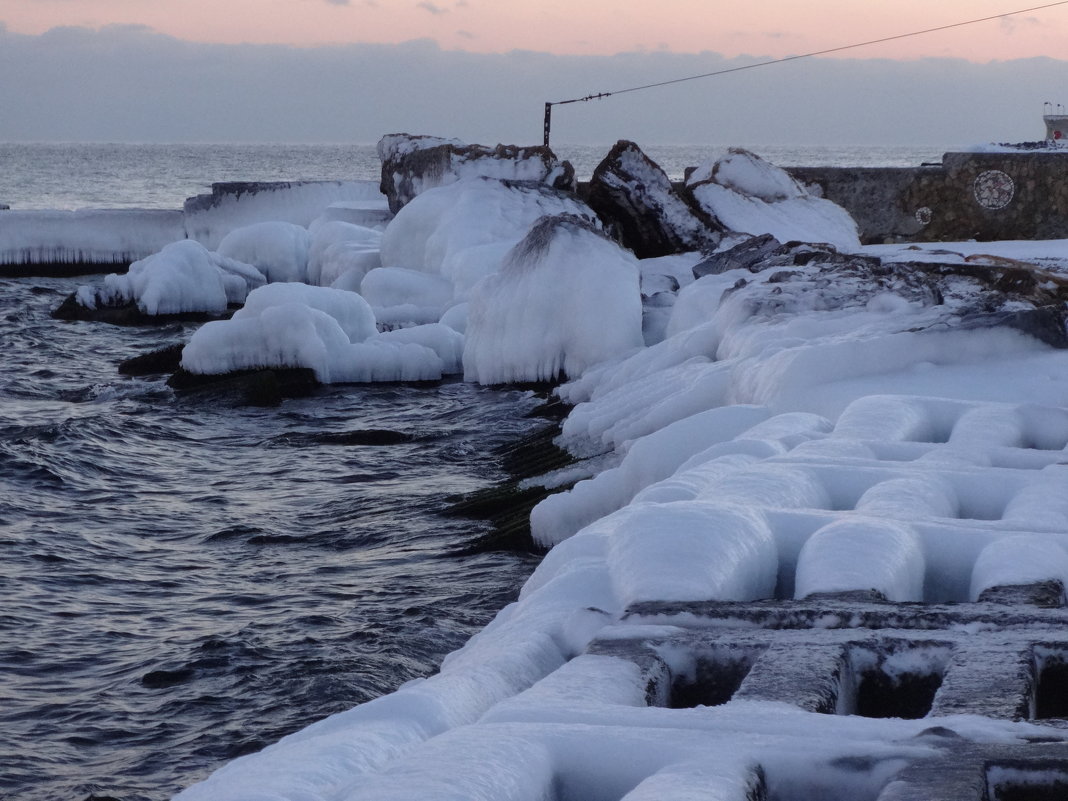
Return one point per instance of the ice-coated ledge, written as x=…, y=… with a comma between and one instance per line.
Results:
x=87, y=237
x=33, y=242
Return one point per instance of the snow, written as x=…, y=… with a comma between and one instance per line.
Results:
x=750, y=195
x=182, y=277
x=566, y=298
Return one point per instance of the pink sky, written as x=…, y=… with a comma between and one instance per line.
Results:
x=757, y=27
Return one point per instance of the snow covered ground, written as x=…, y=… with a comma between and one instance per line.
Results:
x=780, y=455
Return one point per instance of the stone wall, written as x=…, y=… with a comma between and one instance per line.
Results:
x=982, y=196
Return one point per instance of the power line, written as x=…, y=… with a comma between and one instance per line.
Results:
x=600, y=95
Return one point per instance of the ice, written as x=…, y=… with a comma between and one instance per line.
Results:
x=349, y=310
x=446, y=342
x=94, y=236
x=566, y=298
x=463, y=231
x=689, y=551
x=401, y=296
x=338, y=247
x=649, y=459
x=182, y=277
x=750, y=195
x=863, y=554
x=330, y=331
x=462, y=161
x=1019, y=559
x=788, y=438
x=209, y=218
x=278, y=250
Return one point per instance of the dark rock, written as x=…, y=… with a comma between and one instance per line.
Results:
x=164, y=360
x=413, y=164
x=744, y=256
x=635, y=198
x=160, y=679
x=1046, y=324
x=1046, y=594
x=362, y=436
x=249, y=387
x=127, y=313
x=61, y=269
x=506, y=506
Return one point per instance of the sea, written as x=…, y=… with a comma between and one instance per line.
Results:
x=184, y=579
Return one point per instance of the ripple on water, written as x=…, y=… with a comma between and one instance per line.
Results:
x=181, y=584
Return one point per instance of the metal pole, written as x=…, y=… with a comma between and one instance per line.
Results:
x=548, y=121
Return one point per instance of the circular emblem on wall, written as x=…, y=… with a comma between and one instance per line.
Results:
x=993, y=189
x=924, y=215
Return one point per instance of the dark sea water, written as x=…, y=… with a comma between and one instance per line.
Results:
x=183, y=581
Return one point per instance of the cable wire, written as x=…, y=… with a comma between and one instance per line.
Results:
x=600, y=95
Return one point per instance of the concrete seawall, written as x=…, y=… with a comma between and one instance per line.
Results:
x=66, y=243
x=982, y=196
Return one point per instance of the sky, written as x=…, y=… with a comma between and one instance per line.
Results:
x=588, y=27
x=481, y=70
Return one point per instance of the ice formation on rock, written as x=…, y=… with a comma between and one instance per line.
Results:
x=745, y=193
x=279, y=250
x=182, y=277
x=463, y=231
x=565, y=299
x=413, y=164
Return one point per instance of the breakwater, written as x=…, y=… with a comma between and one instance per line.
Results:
x=982, y=196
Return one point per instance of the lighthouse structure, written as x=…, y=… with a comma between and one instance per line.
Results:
x=1056, y=122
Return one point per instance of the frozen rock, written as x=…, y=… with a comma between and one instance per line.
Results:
x=279, y=250
x=413, y=164
x=464, y=230
x=328, y=331
x=566, y=298
x=746, y=193
x=71, y=242
x=338, y=247
x=635, y=198
x=401, y=296
x=183, y=278
x=208, y=218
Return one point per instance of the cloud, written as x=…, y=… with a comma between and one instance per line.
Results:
x=466, y=34
x=433, y=8
x=1010, y=25
x=338, y=2
x=126, y=84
